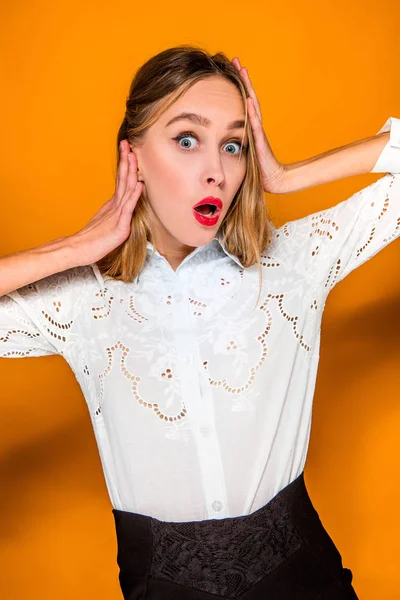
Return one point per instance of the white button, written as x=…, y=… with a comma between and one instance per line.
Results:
x=204, y=431
x=216, y=505
x=189, y=359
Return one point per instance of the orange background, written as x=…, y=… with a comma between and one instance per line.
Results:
x=326, y=74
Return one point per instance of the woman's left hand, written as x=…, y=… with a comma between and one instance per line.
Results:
x=273, y=172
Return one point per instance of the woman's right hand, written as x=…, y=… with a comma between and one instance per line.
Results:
x=111, y=225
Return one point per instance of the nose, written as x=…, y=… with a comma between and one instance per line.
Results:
x=215, y=180
x=214, y=171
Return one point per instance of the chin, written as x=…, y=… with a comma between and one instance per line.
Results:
x=201, y=238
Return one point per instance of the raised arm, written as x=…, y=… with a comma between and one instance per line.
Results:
x=21, y=268
x=41, y=289
x=109, y=227
x=356, y=158
x=375, y=154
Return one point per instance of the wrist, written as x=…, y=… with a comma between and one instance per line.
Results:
x=281, y=180
x=63, y=252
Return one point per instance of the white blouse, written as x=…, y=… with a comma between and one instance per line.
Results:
x=201, y=400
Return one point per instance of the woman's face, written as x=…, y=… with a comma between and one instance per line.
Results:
x=178, y=173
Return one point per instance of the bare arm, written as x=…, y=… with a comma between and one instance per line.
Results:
x=356, y=158
x=109, y=227
x=21, y=268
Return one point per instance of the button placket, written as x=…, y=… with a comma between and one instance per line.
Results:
x=200, y=409
x=204, y=431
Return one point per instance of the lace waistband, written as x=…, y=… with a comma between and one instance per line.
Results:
x=225, y=557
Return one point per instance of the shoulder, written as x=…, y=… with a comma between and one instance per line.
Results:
x=62, y=291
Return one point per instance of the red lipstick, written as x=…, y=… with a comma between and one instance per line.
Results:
x=210, y=200
x=214, y=205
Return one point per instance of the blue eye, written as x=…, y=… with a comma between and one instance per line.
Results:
x=184, y=136
x=189, y=134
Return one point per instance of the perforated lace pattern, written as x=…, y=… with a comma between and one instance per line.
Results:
x=226, y=556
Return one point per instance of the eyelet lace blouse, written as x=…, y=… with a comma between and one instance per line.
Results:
x=200, y=398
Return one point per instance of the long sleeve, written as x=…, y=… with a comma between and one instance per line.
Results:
x=41, y=318
x=330, y=244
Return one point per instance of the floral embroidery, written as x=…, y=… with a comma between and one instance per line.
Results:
x=191, y=367
x=226, y=558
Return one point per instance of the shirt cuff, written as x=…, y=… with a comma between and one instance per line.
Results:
x=389, y=159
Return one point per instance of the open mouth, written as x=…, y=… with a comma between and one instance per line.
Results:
x=207, y=210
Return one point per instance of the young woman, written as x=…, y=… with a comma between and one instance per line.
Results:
x=193, y=327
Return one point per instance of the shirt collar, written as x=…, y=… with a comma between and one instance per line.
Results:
x=215, y=242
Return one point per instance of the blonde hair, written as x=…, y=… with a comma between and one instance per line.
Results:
x=157, y=84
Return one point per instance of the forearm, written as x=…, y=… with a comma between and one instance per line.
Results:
x=353, y=159
x=27, y=266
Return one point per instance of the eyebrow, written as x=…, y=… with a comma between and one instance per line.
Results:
x=199, y=120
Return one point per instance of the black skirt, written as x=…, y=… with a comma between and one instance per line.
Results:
x=279, y=552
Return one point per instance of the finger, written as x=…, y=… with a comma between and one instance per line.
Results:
x=249, y=87
x=122, y=171
x=236, y=63
x=254, y=117
x=129, y=205
x=119, y=186
x=131, y=178
x=260, y=140
x=244, y=73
